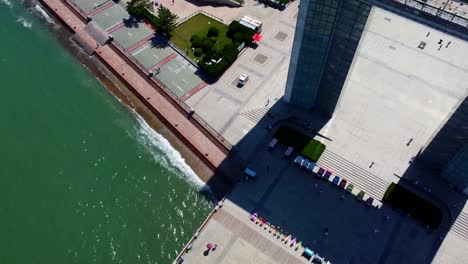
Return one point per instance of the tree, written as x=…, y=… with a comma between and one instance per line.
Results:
x=138, y=8
x=166, y=21
x=213, y=32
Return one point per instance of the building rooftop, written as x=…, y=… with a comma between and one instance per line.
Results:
x=453, y=11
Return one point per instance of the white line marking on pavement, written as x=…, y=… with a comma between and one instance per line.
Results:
x=177, y=86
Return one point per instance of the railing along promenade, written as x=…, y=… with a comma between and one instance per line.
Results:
x=171, y=97
x=194, y=118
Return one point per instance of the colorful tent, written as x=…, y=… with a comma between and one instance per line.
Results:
x=257, y=37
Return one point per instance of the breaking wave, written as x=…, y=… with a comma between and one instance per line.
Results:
x=43, y=13
x=7, y=2
x=170, y=158
x=23, y=21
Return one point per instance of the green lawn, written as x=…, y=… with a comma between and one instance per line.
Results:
x=199, y=24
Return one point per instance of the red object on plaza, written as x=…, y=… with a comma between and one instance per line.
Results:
x=257, y=37
x=209, y=245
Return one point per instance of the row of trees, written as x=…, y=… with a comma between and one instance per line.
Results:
x=164, y=22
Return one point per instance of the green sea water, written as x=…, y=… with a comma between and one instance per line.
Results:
x=82, y=179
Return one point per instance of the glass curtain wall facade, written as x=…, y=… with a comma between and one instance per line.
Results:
x=327, y=35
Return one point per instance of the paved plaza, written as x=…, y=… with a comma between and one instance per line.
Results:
x=394, y=102
x=325, y=218
x=239, y=110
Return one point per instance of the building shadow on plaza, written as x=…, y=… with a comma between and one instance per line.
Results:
x=324, y=217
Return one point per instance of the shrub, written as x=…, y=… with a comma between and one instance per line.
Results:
x=411, y=203
x=313, y=150
x=214, y=69
x=213, y=32
x=292, y=137
x=213, y=40
x=206, y=45
x=240, y=33
x=230, y=52
x=238, y=37
x=194, y=39
x=234, y=27
x=198, y=52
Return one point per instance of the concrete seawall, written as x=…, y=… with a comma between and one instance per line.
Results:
x=178, y=121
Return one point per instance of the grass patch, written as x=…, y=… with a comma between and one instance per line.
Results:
x=313, y=150
x=198, y=25
x=410, y=203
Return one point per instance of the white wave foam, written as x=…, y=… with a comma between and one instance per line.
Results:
x=23, y=21
x=43, y=13
x=171, y=159
x=7, y=2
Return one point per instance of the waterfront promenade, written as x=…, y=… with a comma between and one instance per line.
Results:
x=204, y=146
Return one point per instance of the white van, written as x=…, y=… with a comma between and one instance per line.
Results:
x=243, y=79
x=252, y=23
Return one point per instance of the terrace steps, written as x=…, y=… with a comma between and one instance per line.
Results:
x=360, y=178
x=264, y=116
x=460, y=226
x=99, y=35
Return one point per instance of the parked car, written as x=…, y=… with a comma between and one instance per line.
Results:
x=298, y=160
x=336, y=180
x=311, y=166
x=288, y=151
x=369, y=201
x=243, y=79
x=327, y=174
x=350, y=187
x=320, y=172
x=360, y=195
x=272, y=144
x=342, y=183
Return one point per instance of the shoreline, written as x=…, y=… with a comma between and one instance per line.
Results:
x=124, y=94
